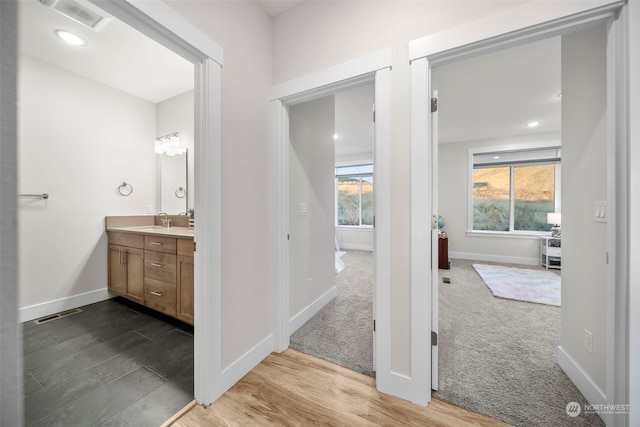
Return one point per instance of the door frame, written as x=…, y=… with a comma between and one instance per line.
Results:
x=527, y=24
x=373, y=68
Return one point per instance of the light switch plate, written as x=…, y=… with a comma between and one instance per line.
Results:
x=600, y=211
x=303, y=209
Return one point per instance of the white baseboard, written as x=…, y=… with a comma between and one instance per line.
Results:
x=495, y=258
x=589, y=390
x=241, y=367
x=309, y=311
x=51, y=307
x=356, y=247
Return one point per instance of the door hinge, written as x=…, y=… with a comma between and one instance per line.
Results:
x=434, y=338
x=288, y=236
x=374, y=325
x=194, y=246
x=434, y=105
x=373, y=108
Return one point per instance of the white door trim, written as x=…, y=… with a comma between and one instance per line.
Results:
x=494, y=33
x=376, y=68
x=161, y=23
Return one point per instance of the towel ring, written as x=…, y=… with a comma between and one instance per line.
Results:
x=180, y=193
x=125, y=189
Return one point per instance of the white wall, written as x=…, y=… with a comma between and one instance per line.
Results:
x=311, y=182
x=318, y=35
x=177, y=115
x=584, y=181
x=78, y=141
x=243, y=30
x=453, y=184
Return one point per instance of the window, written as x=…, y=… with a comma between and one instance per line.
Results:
x=512, y=191
x=354, y=196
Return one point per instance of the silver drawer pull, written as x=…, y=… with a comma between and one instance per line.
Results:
x=158, y=294
x=156, y=243
x=154, y=264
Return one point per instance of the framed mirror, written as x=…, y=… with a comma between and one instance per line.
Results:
x=171, y=183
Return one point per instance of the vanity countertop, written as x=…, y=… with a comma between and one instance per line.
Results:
x=145, y=225
x=156, y=230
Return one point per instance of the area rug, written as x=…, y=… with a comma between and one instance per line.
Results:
x=539, y=286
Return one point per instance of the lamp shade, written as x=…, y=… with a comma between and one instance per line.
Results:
x=554, y=218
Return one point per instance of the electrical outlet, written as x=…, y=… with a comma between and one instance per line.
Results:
x=588, y=341
x=148, y=209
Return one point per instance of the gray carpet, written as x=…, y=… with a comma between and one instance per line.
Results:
x=342, y=332
x=498, y=356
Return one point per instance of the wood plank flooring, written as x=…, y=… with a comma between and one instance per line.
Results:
x=294, y=389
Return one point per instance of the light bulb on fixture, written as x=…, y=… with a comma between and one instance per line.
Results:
x=170, y=145
x=71, y=38
x=533, y=124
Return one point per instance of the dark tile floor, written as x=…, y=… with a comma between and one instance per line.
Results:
x=114, y=364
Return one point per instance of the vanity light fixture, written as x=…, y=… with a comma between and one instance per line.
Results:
x=170, y=144
x=533, y=124
x=72, y=39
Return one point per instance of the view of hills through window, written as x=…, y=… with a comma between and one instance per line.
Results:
x=354, y=187
x=533, y=197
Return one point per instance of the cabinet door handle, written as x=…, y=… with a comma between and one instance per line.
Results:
x=155, y=264
x=158, y=294
x=156, y=243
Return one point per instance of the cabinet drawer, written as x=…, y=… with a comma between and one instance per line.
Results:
x=160, y=244
x=551, y=251
x=160, y=266
x=160, y=296
x=126, y=239
x=185, y=247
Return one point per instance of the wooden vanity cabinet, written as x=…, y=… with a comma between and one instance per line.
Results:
x=155, y=271
x=126, y=266
x=185, y=280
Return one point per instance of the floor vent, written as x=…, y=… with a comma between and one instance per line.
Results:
x=57, y=316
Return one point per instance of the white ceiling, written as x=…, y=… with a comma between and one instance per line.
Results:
x=495, y=95
x=276, y=7
x=117, y=56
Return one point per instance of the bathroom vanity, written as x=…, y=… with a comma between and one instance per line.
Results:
x=152, y=264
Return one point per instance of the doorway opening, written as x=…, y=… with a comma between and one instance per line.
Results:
x=612, y=143
x=373, y=69
x=331, y=180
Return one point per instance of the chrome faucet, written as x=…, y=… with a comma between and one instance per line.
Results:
x=166, y=222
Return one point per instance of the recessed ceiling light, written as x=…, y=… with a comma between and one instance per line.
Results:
x=496, y=157
x=71, y=38
x=533, y=124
